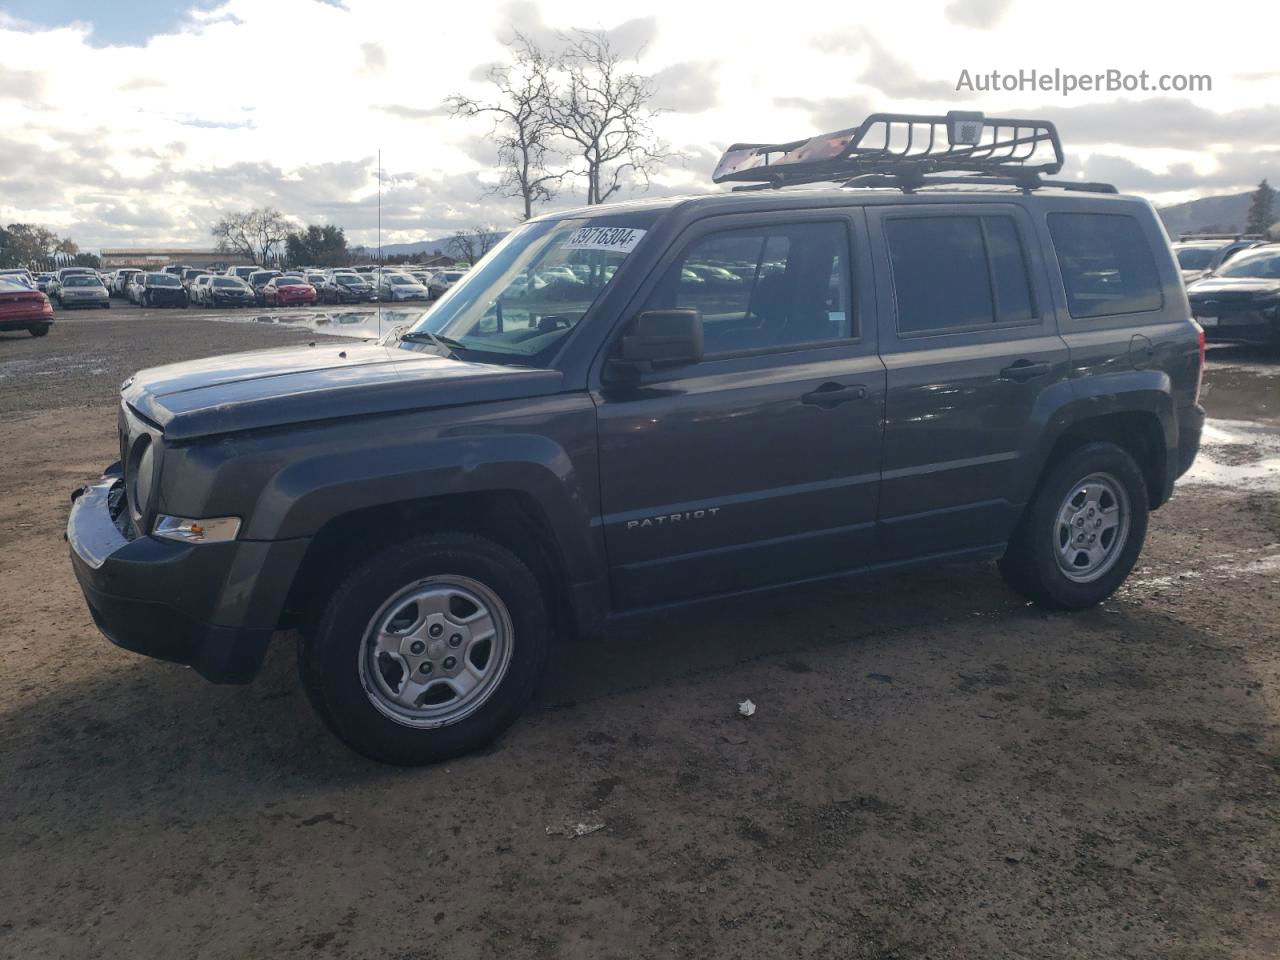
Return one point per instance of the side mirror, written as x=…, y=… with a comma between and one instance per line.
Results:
x=663, y=338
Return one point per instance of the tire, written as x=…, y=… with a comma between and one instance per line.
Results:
x=107, y=305
x=349, y=682
x=39, y=329
x=1043, y=562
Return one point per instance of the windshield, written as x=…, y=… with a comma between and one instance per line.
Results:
x=162, y=280
x=1195, y=258
x=227, y=282
x=401, y=279
x=1263, y=264
x=350, y=280
x=524, y=297
x=261, y=277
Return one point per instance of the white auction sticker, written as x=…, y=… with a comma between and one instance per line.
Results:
x=616, y=239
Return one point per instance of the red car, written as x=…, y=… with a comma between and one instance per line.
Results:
x=22, y=308
x=283, y=291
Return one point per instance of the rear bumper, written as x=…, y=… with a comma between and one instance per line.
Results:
x=26, y=318
x=1190, y=427
x=212, y=607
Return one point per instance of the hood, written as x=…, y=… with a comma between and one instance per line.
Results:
x=1215, y=286
x=267, y=388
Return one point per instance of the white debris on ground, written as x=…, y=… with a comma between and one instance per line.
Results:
x=575, y=828
x=1220, y=462
x=746, y=708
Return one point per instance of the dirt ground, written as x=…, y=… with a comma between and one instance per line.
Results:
x=935, y=769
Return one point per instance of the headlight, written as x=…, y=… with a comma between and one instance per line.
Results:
x=211, y=530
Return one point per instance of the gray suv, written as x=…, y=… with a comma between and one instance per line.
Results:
x=699, y=398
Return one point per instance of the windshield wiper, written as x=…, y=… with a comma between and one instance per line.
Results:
x=426, y=336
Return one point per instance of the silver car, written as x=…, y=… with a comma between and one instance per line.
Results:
x=400, y=286
x=82, y=290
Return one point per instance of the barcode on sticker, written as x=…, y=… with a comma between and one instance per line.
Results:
x=617, y=239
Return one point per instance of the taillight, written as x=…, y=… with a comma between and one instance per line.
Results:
x=1200, y=372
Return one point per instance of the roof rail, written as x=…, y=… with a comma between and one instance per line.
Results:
x=907, y=151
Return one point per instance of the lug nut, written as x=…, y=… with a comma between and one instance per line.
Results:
x=417, y=647
x=435, y=630
x=425, y=666
x=455, y=640
x=450, y=662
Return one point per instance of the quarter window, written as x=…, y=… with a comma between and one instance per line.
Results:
x=765, y=287
x=958, y=272
x=1106, y=264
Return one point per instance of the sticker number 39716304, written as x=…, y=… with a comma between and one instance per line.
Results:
x=616, y=239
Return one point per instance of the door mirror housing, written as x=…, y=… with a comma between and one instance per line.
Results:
x=662, y=338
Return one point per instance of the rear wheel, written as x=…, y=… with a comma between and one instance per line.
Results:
x=429, y=650
x=39, y=329
x=1082, y=532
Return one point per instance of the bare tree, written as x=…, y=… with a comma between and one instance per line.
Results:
x=462, y=246
x=603, y=110
x=487, y=238
x=254, y=234
x=522, y=127
x=471, y=245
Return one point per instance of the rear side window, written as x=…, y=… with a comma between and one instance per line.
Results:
x=958, y=272
x=1106, y=264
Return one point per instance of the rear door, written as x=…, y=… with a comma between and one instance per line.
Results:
x=969, y=341
x=759, y=464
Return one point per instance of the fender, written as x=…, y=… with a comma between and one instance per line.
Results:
x=1071, y=402
x=289, y=483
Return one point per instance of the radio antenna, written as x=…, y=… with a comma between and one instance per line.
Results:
x=379, y=273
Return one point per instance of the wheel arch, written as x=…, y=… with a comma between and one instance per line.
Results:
x=511, y=518
x=1139, y=426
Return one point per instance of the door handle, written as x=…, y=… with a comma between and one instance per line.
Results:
x=1025, y=370
x=833, y=394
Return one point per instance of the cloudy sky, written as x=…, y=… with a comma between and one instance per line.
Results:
x=132, y=123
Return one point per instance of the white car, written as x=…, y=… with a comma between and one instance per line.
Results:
x=394, y=287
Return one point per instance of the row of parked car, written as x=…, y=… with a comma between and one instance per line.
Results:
x=1233, y=285
x=249, y=285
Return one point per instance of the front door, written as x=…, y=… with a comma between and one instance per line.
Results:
x=759, y=464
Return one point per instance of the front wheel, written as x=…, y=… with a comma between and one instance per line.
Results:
x=429, y=650
x=1082, y=532
x=39, y=329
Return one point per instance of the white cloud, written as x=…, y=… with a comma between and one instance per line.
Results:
x=289, y=102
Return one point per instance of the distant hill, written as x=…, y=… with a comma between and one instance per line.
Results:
x=1207, y=215
x=421, y=246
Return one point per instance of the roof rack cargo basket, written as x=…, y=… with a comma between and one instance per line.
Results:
x=907, y=151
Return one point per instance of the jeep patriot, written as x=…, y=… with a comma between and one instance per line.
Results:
x=637, y=405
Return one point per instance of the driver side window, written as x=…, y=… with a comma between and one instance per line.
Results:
x=764, y=287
